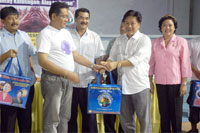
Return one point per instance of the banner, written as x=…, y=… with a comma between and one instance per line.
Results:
x=34, y=14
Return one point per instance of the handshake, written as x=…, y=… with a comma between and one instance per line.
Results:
x=101, y=68
x=106, y=66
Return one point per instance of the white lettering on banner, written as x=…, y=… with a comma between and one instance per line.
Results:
x=34, y=2
x=31, y=2
x=70, y=3
x=44, y=2
x=6, y=1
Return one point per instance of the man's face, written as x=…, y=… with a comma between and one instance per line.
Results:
x=61, y=19
x=19, y=94
x=82, y=21
x=131, y=25
x=11, y=23
x=122, y=29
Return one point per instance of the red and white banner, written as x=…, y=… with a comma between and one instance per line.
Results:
x=34, y=14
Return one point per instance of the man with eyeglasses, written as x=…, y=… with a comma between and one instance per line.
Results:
x=89, y=45
x=56, y=54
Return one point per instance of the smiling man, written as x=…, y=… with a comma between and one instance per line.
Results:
x=56, y=54
x=14, y=42
x=89, y=45
x=130, y=54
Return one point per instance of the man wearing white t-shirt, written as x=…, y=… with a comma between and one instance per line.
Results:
x=56, y=54
x=89, y=45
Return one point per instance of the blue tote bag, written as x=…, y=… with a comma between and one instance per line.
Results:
x=196, y=93
x=14, y=89
x=104, y=98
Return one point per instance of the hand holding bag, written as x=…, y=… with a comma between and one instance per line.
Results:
x=14, y=89
x=104, y=98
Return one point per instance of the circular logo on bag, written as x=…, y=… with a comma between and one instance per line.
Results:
x=105, y=100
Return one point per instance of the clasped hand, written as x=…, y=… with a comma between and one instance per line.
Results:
x=109, y=65
x=11, y=53
x=99, y=68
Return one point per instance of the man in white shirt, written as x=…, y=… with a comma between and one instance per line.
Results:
x=131, y=53
x=56, y=54
x=89, y=45
x=194, y=116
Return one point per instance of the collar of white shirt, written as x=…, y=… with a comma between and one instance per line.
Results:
x=136, y=35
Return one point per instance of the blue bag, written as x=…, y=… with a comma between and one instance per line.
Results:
x=104, y=98
x=14, y=89
x=196, y=93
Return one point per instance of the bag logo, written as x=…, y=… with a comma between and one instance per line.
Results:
x=105, y=100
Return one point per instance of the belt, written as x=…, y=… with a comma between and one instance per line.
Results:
x=52, y=74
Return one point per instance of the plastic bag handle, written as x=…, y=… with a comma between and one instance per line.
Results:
x=7, y=68
x=99, y=75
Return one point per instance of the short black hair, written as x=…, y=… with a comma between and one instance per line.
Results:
x=8, y=11
x=55, y=8
x=198, y=93
x=11, y=85
x=168, y=16
x=20, y=91
x=81, y=10
x=133, y=13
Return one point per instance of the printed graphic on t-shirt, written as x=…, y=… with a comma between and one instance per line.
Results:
x=65, y=46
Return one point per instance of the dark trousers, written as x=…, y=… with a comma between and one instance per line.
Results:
x=109, y=119
x=9, y=115
x=89, y=123
x=109, y=124
x=194, y=116
x=170, y=106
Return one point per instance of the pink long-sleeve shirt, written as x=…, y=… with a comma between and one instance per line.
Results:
x=172, y=63
x=8, y=98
